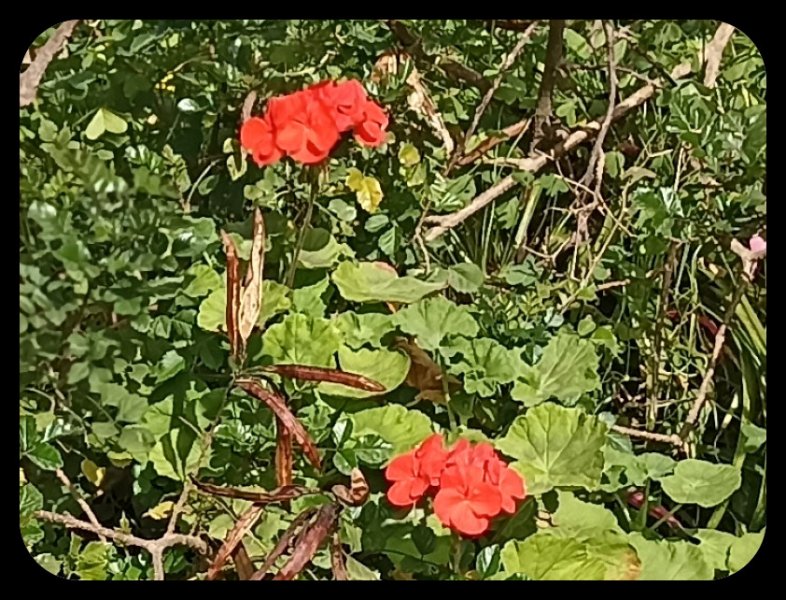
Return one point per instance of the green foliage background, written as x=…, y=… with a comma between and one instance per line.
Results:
x=130, y=166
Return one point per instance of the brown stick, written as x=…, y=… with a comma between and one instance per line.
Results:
x=714, y=52
x=154, y=547
x=81, y=501
x=308, y=542
x=648, y=435
x=283, y=542
x=31, y=78
x=553, y=57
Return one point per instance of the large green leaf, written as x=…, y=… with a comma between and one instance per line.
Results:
x=578, y=516
x=400, y=427
x=485, y=364
x=601, y=556
x=321, y=250
x=665, y=560
x=701, y=482
x=715, y=546
x=300, y=339
x=432, y=319
x=364, y=328
x=556, y=446
x=388, y=367
x=567, y=369
x=176, y=455
x=743, y=549
x=373, y=282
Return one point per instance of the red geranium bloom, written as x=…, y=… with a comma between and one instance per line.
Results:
x=465, y=502
x=409, y=485
x=371, y=130
x=431, y=456
x=256, y=135
x=346, y=101
x=307, y=124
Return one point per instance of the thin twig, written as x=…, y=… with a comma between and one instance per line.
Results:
x=597, y=148
x=507, y=62
x=154, y=547
x=81, y=501
x=673, y=439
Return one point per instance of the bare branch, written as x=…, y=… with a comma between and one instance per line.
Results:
x=31, y=78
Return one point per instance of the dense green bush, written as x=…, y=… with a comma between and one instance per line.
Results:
x=557, y=322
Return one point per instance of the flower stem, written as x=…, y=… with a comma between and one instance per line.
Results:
x=301, y=238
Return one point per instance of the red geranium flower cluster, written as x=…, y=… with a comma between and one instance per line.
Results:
x=472, y=484
x=307, y=124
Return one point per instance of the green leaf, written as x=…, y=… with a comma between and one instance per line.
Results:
x=701, y=482
x=754, y=436
x=408, y=155
x=556, y=446
x=465, y=278
x=715, y=546
x=364, y=328
x=484, y=363
x=603, y=556
x=320, y=250
x=665, y=560
x=578, y=516
x=304, y=340
x=567, y=369
x=131, y=407
x=433, y=319
x=137, y=441
x=45, y=456
x=92, y=562
x=403, y=429
x=205, y=280
x=308, y=299
x=176, y=454
x=168, y=366
x=743, y=549
x=371, y=282
x=30, y=500
x=104, y=120
x=275, y=300
x=357, y=571
x=388, y=367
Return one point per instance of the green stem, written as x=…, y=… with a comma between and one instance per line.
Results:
x=312, y=196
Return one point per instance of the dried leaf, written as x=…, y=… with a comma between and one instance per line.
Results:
x=357, y=494
x=308, y=373
x=234, y=537
x=424, y=374
x=337, y=559
x=233, y=294
x=280, y=494
x=308, y=542
x=278, y=405
x=251, y=300
x=284, y=541
x=243, y=564
x=283, y=454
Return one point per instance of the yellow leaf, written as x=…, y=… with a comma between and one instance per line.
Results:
x=354, y=179
x=160, y=511
x=22, y=478
x=93, y=472
x=370, y=194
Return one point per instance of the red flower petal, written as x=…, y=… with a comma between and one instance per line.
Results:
x=399, y=494
x=255, y=132
x=512, y=484
x=464, y=520
x=485, y=499
x=444, y=502
x=401, y=467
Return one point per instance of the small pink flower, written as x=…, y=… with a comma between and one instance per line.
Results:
x=757, y=244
